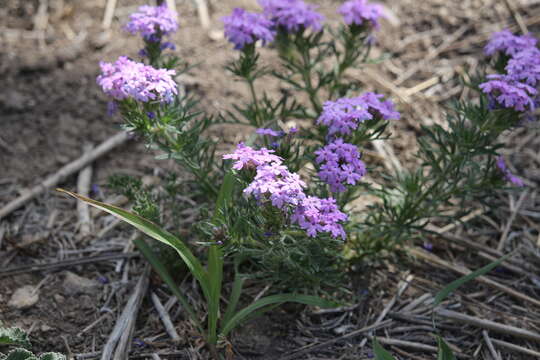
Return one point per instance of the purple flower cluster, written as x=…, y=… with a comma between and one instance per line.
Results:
x=125, y=79
x=501, y=164
x=525, y=66
x=341, y=165
x=508, y=43
x=359, y=12
x=248, y=157
x=243, y=27
x=152, y=21
x=509, y=93
x=515, y=89
x=285, y=190
x=292, y=15
x=316, y=215
x=343, y=115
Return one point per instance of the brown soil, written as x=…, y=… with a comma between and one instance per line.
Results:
x=50, y=107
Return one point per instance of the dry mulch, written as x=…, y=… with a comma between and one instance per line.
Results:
x=50, y=106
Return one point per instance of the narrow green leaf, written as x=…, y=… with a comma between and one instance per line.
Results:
x=14, y=336
x=154, y=231
x=235, y=297
x=445, y=353
x=273, y=299
x=158, y=266
x=443, y=294
x=379, y=352
x=215, y=259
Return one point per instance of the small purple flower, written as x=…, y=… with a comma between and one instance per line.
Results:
x=151, y=114
x=501, y=164
x=94, y=190
x=112, y=107
x=243, y=27
x=292, y=15
x=525, y=66
x=246, y=156
x=359, y=12
x=268, y=132
x=152, y=22
x=103, y=279
x=508, y=43
x=167, y=45
x=143, y=53
x=509, y=93
x=293, y=130
x=316, y=215
x=344, y=115
x=128, y=79
x=379, y=109
x=340, y=164
x=428, y=246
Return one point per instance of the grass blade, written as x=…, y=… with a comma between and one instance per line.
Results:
x=154, y=231
x=270, y=300
x=443, y=294
x=445, y=353
x=158, y=266
x=379, y=352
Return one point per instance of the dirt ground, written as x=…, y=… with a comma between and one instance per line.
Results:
x=50, y=107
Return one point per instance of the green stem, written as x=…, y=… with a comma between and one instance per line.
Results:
x=251, y=85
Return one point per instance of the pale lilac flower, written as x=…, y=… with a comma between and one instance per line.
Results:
x=360, y=12
x=292, y=15
x=340, y=164
x=525, y=66
x=274, y=182
x=125, y=79
x=246, y=156
x=243, y=27
x=152, y=22
x=506, y=42
x=509, y=93
x=317, y=215
x=501, y=164
x=344, y=115
x=379, y=109
x=269, y=132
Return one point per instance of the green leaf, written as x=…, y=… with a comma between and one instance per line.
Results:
x=235, y=297
x=379, y=352
x=443, y=294
x=158, y=266
x=14, y=336
x=52, y=356
x=215, y=259
x=20, y=354
x=269, y=300
x=154, y=231
x=445, y=353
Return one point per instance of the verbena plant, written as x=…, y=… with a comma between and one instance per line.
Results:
x=284, y=211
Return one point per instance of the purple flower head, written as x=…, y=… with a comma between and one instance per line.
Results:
x=293, y=130
x=379, y=109
x=359, y=12
x=268, y=132
x=152, y=22
x=501, y=164
x=508, y=43
x=525, y=66
x=167, y=45
x=340, y=164
x=292, y=15
x=243, y=27
x=125, y=79
x=316, y=215
x=509, y=93
x=274, y=182
x=343, y=115
x=246, y=156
